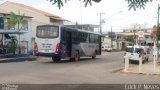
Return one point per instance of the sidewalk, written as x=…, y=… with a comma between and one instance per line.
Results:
x=104, y=53
x=147, y=68
x=16, y=58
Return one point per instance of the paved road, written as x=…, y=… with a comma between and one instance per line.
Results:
x=87, y=71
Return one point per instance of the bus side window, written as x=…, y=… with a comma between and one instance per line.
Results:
x=87, y=38
x=91, y=38
x=74, y=37
x=81, y=37
x=63, y=36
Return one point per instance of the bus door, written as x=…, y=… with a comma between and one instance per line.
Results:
x=69, y=43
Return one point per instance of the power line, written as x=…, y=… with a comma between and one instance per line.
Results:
x=100, y=22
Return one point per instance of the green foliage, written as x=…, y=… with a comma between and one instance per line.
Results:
x=8, y=23
x=13, y=44
x=158, y=32
x=135, y=4
x=132, y=4
x=60, y=3
x=129, y=39
x=14, y=20
x=18, y=20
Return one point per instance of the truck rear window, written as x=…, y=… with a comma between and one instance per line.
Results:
x=137, y=50
x=130, y=50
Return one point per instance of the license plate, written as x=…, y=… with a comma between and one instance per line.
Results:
x=46, y=50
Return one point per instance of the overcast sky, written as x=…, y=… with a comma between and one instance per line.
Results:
x=76, y=12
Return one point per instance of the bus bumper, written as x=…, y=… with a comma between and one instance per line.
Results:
x=48, y=54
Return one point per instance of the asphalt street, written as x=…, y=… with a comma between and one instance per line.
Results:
x=105, y=69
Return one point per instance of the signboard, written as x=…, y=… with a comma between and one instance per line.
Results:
x=141, y=39
x=24, y=47
x=154, y=32
x=141, y=34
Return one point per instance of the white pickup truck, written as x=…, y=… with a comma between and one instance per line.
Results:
x=135, y=52
x=106, y=48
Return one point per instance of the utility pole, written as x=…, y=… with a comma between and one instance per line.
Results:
x=158, y=23
x=158, y=30
x=111, y=38
x=134, y=35
x=100, y=22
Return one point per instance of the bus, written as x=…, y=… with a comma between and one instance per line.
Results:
x=64, y=42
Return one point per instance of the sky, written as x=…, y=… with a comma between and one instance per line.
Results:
x=115, y=13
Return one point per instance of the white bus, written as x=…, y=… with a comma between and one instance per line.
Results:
x=62, y=42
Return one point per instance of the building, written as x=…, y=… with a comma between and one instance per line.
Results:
x=113, y=39
x=25, y=34
x=86, y=27
x=118, y=40
x=134, y=32
x=39, y=17
x=34, y=18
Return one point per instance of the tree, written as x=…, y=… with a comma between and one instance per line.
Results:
x=16, y=21
x=137, y=4
x=60, y=3
x=132, y=4
x=12, y=44
x=158, y=33
x=130, y=39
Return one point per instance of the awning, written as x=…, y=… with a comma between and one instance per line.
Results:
x=2, y=31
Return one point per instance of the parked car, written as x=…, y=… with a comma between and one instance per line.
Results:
x=106, y=48
x=134, y=53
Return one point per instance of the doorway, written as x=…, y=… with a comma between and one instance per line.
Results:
x=69, y=43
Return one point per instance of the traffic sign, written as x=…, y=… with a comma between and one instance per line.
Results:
x=154, y=32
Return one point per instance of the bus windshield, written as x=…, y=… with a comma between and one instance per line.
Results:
x=47, y=32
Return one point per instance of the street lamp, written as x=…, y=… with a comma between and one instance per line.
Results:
x=103, y=20
x=111, y=27
x=114, y=14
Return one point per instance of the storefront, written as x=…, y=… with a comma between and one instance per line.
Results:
x=9, y=43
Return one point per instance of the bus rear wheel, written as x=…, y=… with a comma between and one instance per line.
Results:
x=94, y=55
x=76, y=56
x=56, y=59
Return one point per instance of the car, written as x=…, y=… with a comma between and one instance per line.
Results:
x=107, y=48
x=134, y=53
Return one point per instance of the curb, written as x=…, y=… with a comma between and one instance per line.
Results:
x=5, y=60
x=32, y=58
x=145, y=73
x=132, y=72
x=20, y=58
x=117, y=70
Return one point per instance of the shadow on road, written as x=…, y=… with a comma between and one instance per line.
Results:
x=72, y=61
x=137, y=62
